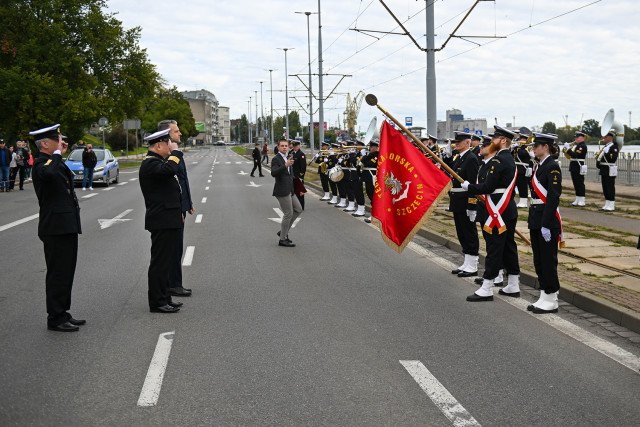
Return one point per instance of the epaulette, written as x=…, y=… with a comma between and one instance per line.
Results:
x=495, y=160
x=48, y=161
x=174, y=159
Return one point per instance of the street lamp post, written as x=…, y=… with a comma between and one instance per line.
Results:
x=310, y=91
x=271, y=91
x=320, y=100
x=249, y=121
x=286, y=87
x=262, y=128
x=257, y=130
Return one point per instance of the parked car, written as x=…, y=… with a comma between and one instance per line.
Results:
x=106, y=171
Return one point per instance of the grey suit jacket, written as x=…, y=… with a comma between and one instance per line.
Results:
x=284, y=180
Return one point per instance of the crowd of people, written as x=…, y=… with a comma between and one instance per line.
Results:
x=15, y=162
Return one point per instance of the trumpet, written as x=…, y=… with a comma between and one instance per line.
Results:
x=564, y=149
x=600, y=148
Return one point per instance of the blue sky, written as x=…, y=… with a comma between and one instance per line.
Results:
x=578, y=65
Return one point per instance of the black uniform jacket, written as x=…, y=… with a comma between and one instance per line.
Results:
x=183, y=179
x=467, y=167
x=300, y=164
x=497, y=173
x=161, y=191
x=59, y=209
x=521, y=155
x=257, y=156
x=370, y=160
x=550, y=177
x=284, y=180
x=476, y=150
x=611, y=158
x=578, y=151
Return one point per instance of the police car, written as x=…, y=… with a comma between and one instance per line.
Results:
x=106, y=171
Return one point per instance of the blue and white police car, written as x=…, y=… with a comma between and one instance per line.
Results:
x=106, y=171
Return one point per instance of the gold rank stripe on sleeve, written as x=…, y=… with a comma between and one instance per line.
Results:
x=48, y=161
x=472, y=200
x=174, y=159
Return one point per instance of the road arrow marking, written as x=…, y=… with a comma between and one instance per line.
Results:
x=106, y=223
x=281, y=214
x=253, y=184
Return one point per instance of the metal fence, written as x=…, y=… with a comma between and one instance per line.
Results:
x=628, y=168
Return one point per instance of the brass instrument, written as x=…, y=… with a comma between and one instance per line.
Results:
x=600, y=148
x=564, y=149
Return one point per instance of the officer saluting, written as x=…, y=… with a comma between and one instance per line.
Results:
x=577, y=166
x=163, y=217
x=606, y=162
x=58, y=225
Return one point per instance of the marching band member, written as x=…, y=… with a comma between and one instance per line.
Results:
x=606, y=162
x=545, y=224
x=370, y=167
x=524, y=165
x=577, y=166
x=357, y=184
x=352, y=176
x=496, y=180
x=332, y=160
x=475, y=146
x=321, y=160
x=465, y=164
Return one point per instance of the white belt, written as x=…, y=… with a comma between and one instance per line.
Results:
x=370, y=169
x=576, y=160
x=458, y=190
x=499, y=191
x=537, y=202
x=522, y=164
x=351, y=169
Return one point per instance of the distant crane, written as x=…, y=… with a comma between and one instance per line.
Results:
x=352, y=111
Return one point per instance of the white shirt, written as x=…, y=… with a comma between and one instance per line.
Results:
x=285, y=160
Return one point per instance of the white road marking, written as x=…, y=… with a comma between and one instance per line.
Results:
x=242, y=173
x=281, y=214
x=133, y=179
x=204, y=200
x=253, y=184
x=439, y=395
x=247, y=163
x=238, y=163
x=106, y=223
x=227, y=163
x=18, y=222
x=208, y=181
x=198, y=218
x=210, y=176
x=188, y=256
x=153, y=382
x=598, y=344
x=195, y=163
x=124, y=183
x=206, y=188
x=88, y=196
x=108, y=189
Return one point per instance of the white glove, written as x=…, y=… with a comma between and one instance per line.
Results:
x=471, y=215
x=567, y=145
x=515, y=145
x=447, y=149
x=465, y=185
x=533, y=156
x=546, y=234
x=606, y=149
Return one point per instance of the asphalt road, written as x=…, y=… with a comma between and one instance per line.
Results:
x=314, y=335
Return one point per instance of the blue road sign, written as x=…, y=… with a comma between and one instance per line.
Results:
x=408, y=121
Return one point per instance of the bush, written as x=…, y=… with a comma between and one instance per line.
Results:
x=117, y=139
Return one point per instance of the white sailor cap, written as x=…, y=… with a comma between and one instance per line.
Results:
x=161, y=135
x=50, y=132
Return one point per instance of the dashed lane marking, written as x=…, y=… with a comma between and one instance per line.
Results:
x=124, y=183
x=155, y=374
x=188, y=256
x=18, y=222
x=208, y=181
x=206, y=188
x=439, y=395
x=204, y=200
x=108, y=189
x=133, y=179
x=198, y=218
x=88, y=196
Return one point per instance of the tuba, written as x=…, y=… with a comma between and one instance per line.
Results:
x=610, y=123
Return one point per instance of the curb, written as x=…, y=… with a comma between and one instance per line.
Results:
x=584, y=300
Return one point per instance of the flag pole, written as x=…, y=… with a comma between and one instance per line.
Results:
x=372, y=100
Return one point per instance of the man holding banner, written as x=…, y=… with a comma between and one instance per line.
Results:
x=496, y=181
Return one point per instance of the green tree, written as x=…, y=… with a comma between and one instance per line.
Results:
x=549, y=127
x=169, y=104
x=591, y=127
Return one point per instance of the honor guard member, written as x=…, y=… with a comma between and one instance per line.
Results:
x=342, y=183
x=496, y=181
x=369, y=171
x=299, y=169
x=606, y=162
x=525, y=169
x=321, y=159
x=58, y=226
x=465, y=164
x=163, y=216
x=545, y=224
x=357, y=182
x=475, y=146
x=577, y=154
x=332, y=160
x=351, y=178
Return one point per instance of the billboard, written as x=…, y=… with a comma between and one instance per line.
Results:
x=200, y=126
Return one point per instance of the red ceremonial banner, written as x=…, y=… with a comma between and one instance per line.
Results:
x=408, y=187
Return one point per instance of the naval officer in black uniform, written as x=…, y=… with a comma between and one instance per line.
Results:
x=463, y=206
x=524, y=164
x=58, y=226
x=496, y=180
x=577, y=166
x=163, y=216
x=606, y=163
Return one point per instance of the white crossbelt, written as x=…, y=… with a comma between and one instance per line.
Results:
x=499, y=191
x=522, y=164
x=370, y=169
x=458, y=190
x=537, y=202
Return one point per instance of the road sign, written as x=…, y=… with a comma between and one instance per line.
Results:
x=131, y=124
x=408, y=121
x=102, y=121
x=466, y=130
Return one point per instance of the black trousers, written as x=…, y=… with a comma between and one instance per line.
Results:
x=256, y=165
x=163, y=243
x=502, y=252
x=358, y=192
x=342, y=188
x=60, y=255
x=334, y=188
x=545, y=260
x=351, y=180
x=21, y=170
x=324, y=180
x=609, y=187
x=522, y=184
x=175, y=267
x=368, y=184
x=467, y=233
x=578, y=182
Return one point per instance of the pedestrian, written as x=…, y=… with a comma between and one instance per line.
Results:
x=256, y=160
x=13, y=168
x=22, y=157
x=545, y=223
x=29, y=164
x=176, y=287
x=89, y=162
x=281, y=170
x=265, y=153
x=163, y=216
x=58, y=226
x=299, y=170
x=5, y=162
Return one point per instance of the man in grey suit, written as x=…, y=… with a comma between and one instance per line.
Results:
x=282, y=171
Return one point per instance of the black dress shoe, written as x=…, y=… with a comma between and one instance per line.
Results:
x=507, y=294
x=164, y=309
x=64, y=327
x=478, y=280
x=537, y=310
x=77, y=322
x=477, y=298
x=261, y=176
x=530, y=307
x=456, y=271
x=357, y=215
x=467, y=274
x=287, y=239
x=288, y=243
x=175, y=304
x=179, y=292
